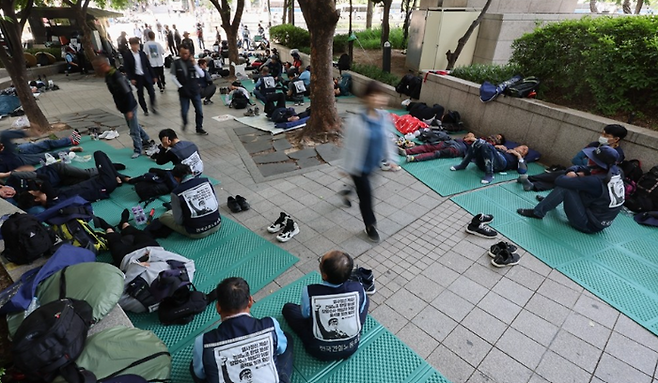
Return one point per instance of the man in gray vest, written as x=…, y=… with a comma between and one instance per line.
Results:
x=185, y=74
x=176, y=151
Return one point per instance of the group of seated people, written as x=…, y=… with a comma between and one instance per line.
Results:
x=592, y=189
x=328, y=321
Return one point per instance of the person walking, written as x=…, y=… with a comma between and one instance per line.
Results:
x=186, y=74
x=170, y=41
x=141, y=74
x=366, y=147
x=156, y=53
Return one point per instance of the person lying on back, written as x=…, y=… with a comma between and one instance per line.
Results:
x=494, y=158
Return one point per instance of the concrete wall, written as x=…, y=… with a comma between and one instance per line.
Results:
x=507, y=6
x=498, y=31
x=558, y=133
x=33, y=73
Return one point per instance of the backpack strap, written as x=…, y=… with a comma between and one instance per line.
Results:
x=62, y=283
x=74, y=374
x=136, y=363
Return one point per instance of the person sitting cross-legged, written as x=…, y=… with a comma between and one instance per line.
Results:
x=490, y=159
x=592, y=195
x=219, y=355
x=332, y=313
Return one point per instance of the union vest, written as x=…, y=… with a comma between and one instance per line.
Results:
x=240, y=348
x=200, y=208
x=269, y=84
x=336, y=318
x=602, y=210
x=188, y=154
x=188, y=77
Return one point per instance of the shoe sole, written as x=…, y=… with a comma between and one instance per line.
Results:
x=481, y=235
x=371, y=291
x=289, y=237
x=493, y=262
x=372, y=239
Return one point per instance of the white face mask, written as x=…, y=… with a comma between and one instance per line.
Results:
x=603, y=140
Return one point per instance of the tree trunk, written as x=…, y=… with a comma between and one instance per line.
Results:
x=291, y=13
x=386, y=29
x=452, y=57
x=16, y=67
x=269, y=13
x=284, y=17
x=638, y=6
x=592, y=6
x=626, y=6
x=369, y=12
x=321, y=19
x=231, y=28
x=81, y=19
x=350, y=43
x=407, y=21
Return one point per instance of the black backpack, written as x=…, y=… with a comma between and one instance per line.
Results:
x=525, y=88
x=344, y=62
x=645, y=197
x=239, y=101
x=183, y=305
x=50, y=339
x=26, y=239
x=410, y=85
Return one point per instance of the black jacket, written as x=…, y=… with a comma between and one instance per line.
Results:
x=121, y=91
x=129, y=66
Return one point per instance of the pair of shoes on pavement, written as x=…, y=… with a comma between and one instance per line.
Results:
x=252, y=112
x=504, y=254
x=237, y=204
x=109, y=134
x=479, y=226
x=365, y=278
x=285, y=226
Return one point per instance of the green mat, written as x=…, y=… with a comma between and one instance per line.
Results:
x=381, y=356
x=619, y=264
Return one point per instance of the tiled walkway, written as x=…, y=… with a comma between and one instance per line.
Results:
x=436, y=289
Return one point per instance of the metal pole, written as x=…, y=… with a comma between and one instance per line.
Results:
x=386, y=57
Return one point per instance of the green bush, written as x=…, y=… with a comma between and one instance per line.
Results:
x=290, y=36
x=375, y=73
x=480, y=73
x=370, y=39
x=57, y=52
x=611, y=61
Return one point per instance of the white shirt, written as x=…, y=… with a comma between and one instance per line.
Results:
x=155, y=53
x=138, y=63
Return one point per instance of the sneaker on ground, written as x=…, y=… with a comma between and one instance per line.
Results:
x=487, y=179
x=411, y=158
x=291, y=230
x=279, y=224
x=372, y=234
x=365, y=277
x=75, y=137
x=482, y=218
x=530, y=213
x=135, y=155
x=146, y=112
x=506, y=258
x=385, y=166
x=482, y=230
x=457, y=167
x=201, y=132
x=494, y=250
x=249, y=112
x=402, y=151
x=233, y=205
x=257, y=111
x=104, y=134
x=539, y=197
x=206, y=102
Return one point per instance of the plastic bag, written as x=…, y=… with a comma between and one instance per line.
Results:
x=21, y=122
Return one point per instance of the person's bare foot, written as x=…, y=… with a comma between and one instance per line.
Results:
x=76, y=149
x=293, y=118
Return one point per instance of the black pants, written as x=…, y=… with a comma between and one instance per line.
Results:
x=172, y=48
x=208, y=91
x=141, y=84
x=545, y=181
x=364, y=191
x=129, y=240
x=95, y=188
x=159, y=72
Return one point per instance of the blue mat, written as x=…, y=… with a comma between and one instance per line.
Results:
x=381, y=357
x=619, y=264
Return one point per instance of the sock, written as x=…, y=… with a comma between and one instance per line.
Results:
x=125, y=216
x=527, y=185
x=100, y=222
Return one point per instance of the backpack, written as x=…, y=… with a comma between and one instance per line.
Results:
x=525, y=88
x=489, y=91
x=345, y=84
x=51, y=338
x=632, y=172
x=18, y=296
x=410, y=85
x=153, y=184
x=26, y=239
x=168, y=61
x=74, y=207
x=239, y=100
x=645, y=197
x=152, y=274
x=451, y=122
x=183, y=305
x=344, y=62
x=79, y=233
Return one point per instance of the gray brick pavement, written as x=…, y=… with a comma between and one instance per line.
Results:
x=435, y=287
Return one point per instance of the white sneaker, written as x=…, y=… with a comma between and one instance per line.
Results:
x=279, y=224
x=112, y=134
x=291, y=230
x=104, y=134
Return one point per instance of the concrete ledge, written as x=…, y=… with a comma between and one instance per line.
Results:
x=557, y=132
x=33, y=73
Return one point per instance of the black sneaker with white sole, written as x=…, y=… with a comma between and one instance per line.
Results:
x=481, y=230
x=365, y=278
x=373, y=234
x=506, y=258
x=494, y=250
x=279, y=224
x=291, y=230
x=482, y=218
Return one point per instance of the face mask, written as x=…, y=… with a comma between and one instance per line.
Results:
x=603, y=140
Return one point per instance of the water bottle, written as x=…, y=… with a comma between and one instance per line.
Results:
x=64, y=157
x=138, y=214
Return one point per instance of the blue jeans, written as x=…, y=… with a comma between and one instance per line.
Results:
x=573, y=207
x=43, y=146
x=198, y=110
x=137, y=133
x=487, y=157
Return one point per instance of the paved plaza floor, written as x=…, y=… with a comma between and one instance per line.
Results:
x=436, y=288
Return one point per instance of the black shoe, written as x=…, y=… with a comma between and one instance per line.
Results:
x=506, y=258
x=344, y=197
x=184, y=127
x=201, y=132
x=167, y=205
x=155, y=111
x=494, y=250
x=372, y=234
x=279, y=224
x=101, y=223
x=244, y=205
x=118, y=166
x=482, y=218
x=528, y=213
x=125, y=217
x=233, y=205
x=481, y=230
x=365, y=277
x=555, y=168
x=539, y=197
x=146, y=112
